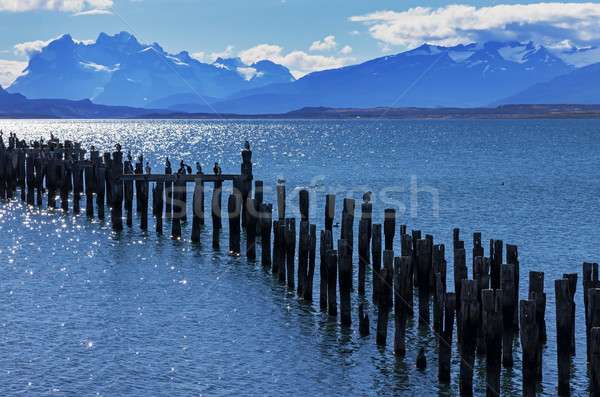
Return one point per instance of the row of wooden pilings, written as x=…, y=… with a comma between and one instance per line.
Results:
x=487, y=308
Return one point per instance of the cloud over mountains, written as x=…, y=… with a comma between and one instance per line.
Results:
x=545, y=23
x=79, y=7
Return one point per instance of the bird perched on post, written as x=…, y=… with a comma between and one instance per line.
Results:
x=247, y=145
x=117, y=146
x=188, y=169
x=198, y=168
x=367, y=197
x=129, y=158
x=217, y=169
x=167, y=163
x=181, y=169
x=147, y=167
x=141, y=159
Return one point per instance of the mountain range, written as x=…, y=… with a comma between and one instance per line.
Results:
x=119, y=71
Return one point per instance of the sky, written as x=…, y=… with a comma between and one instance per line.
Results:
x=303, y=35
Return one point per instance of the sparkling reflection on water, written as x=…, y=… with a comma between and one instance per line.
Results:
x=90, y=311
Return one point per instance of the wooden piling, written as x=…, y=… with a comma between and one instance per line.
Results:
x=445, y=342
x=593, y=318
x=406, y=245
x=512, y=256
x=304, y=204
x=376, y=259
x=329, y=211
x=572, y=277
x=160, y=187
x=491, y=301
x=481, y=274
x=197, y=210
x=265, y=234
x=595, y=362
x=367, y=216
x=128, y=198
x=215, y=210
x=415, y=235
x=303, y=247
x=345, y=280
x=234, y=208
x=423, y=270
x=30, y=179
x=363, y=247
x=347, y=229
x=383, y=307
x=325, y=245
x=101, y=185
x=564, y=331
x=402, y=310
x=536, y=293
x=251, y=220
x=63, y=184
x=477, y=247
x=470, y=316
x=290, y=241
x=312, y=246
x=389, y=227
x=530, y=345
x=282, y=251
x=460, y=273
x=331, y=260
x=496, y=263
x=363, y=321
x=117, y=190
x=145, y=189
x=507, y=283
x=281, y=202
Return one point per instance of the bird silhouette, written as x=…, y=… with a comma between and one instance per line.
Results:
x=147, y=167
x=281, y=181
x=367, y=196
x=129, y=156
x=198, y=168
x=167, y=163
x=247, y=145
x=188, y=169
x=217, y=169
x=117, y=146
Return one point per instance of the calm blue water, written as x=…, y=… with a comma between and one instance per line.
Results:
x=87, y=311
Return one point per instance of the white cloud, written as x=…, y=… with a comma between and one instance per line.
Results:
x=9, y=71
x=299, y=62
x=327, y=44
x=204, y=57
x=80, y=7
x=31, y=47
x=545, y=23
x=354, y=33
x=346, y=50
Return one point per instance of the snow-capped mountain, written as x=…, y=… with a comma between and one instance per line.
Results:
x=428, y=76
x=118, y=70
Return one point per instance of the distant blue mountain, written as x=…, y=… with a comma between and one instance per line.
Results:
x=118, y=70
x=429, y=76
x=581, y=86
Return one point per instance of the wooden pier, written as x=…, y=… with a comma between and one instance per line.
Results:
x=489, y=309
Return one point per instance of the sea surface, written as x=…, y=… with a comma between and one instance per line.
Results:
x=89, y=311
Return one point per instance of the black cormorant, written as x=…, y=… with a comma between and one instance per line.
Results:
x=147, y=167
x=247, y=145
x=198, y=168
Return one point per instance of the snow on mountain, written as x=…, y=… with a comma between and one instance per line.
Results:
x=118, y=70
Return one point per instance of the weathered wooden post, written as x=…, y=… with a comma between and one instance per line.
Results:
x=144, y=192
x=407, y=250
x=477, y=247
x=251, y=219
x=345, y=280
x=282, y=251
x=530, y=342
x=536, y=293
x=329, y=211
x=197, y=209
x=304, y=204
x=128, y=193
x=303, y=247
x=572, y=277
x=160, y=187
x=63, y=183
x=563, y=335
x=445, y=342
x=507, y=283
x=276, y=247
x=290, y=243
x=363, y=247
x=325, y=245
x=376, y=259
x=389, y=227
x=234, y=210
x=177, y=215
x=281, y=203
x=595, y=362
x=347, y=232
x=512, y=256
x=384, y=303
x=423, y=269
x=30, y=178
x=331, y=260
x=593, y=318
x=215, y=210
x=402, y=290
x=312, y=246
x=496, y=265
x=481, y=274
x=363, y=321
x=3, y=166
x=117, y=190
x=415, y=235
x=77, y=186
x=367, y=216
x=491, y=301
x=168, y=190
x=265, y=234
x=246, y=184
x=460, y=273
x=101, y=186
x=590, y=280
x=439, y=270
x=107, y=181
x=258, y=201
x=40, y=170
x=21, y=173
x=470, y=319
